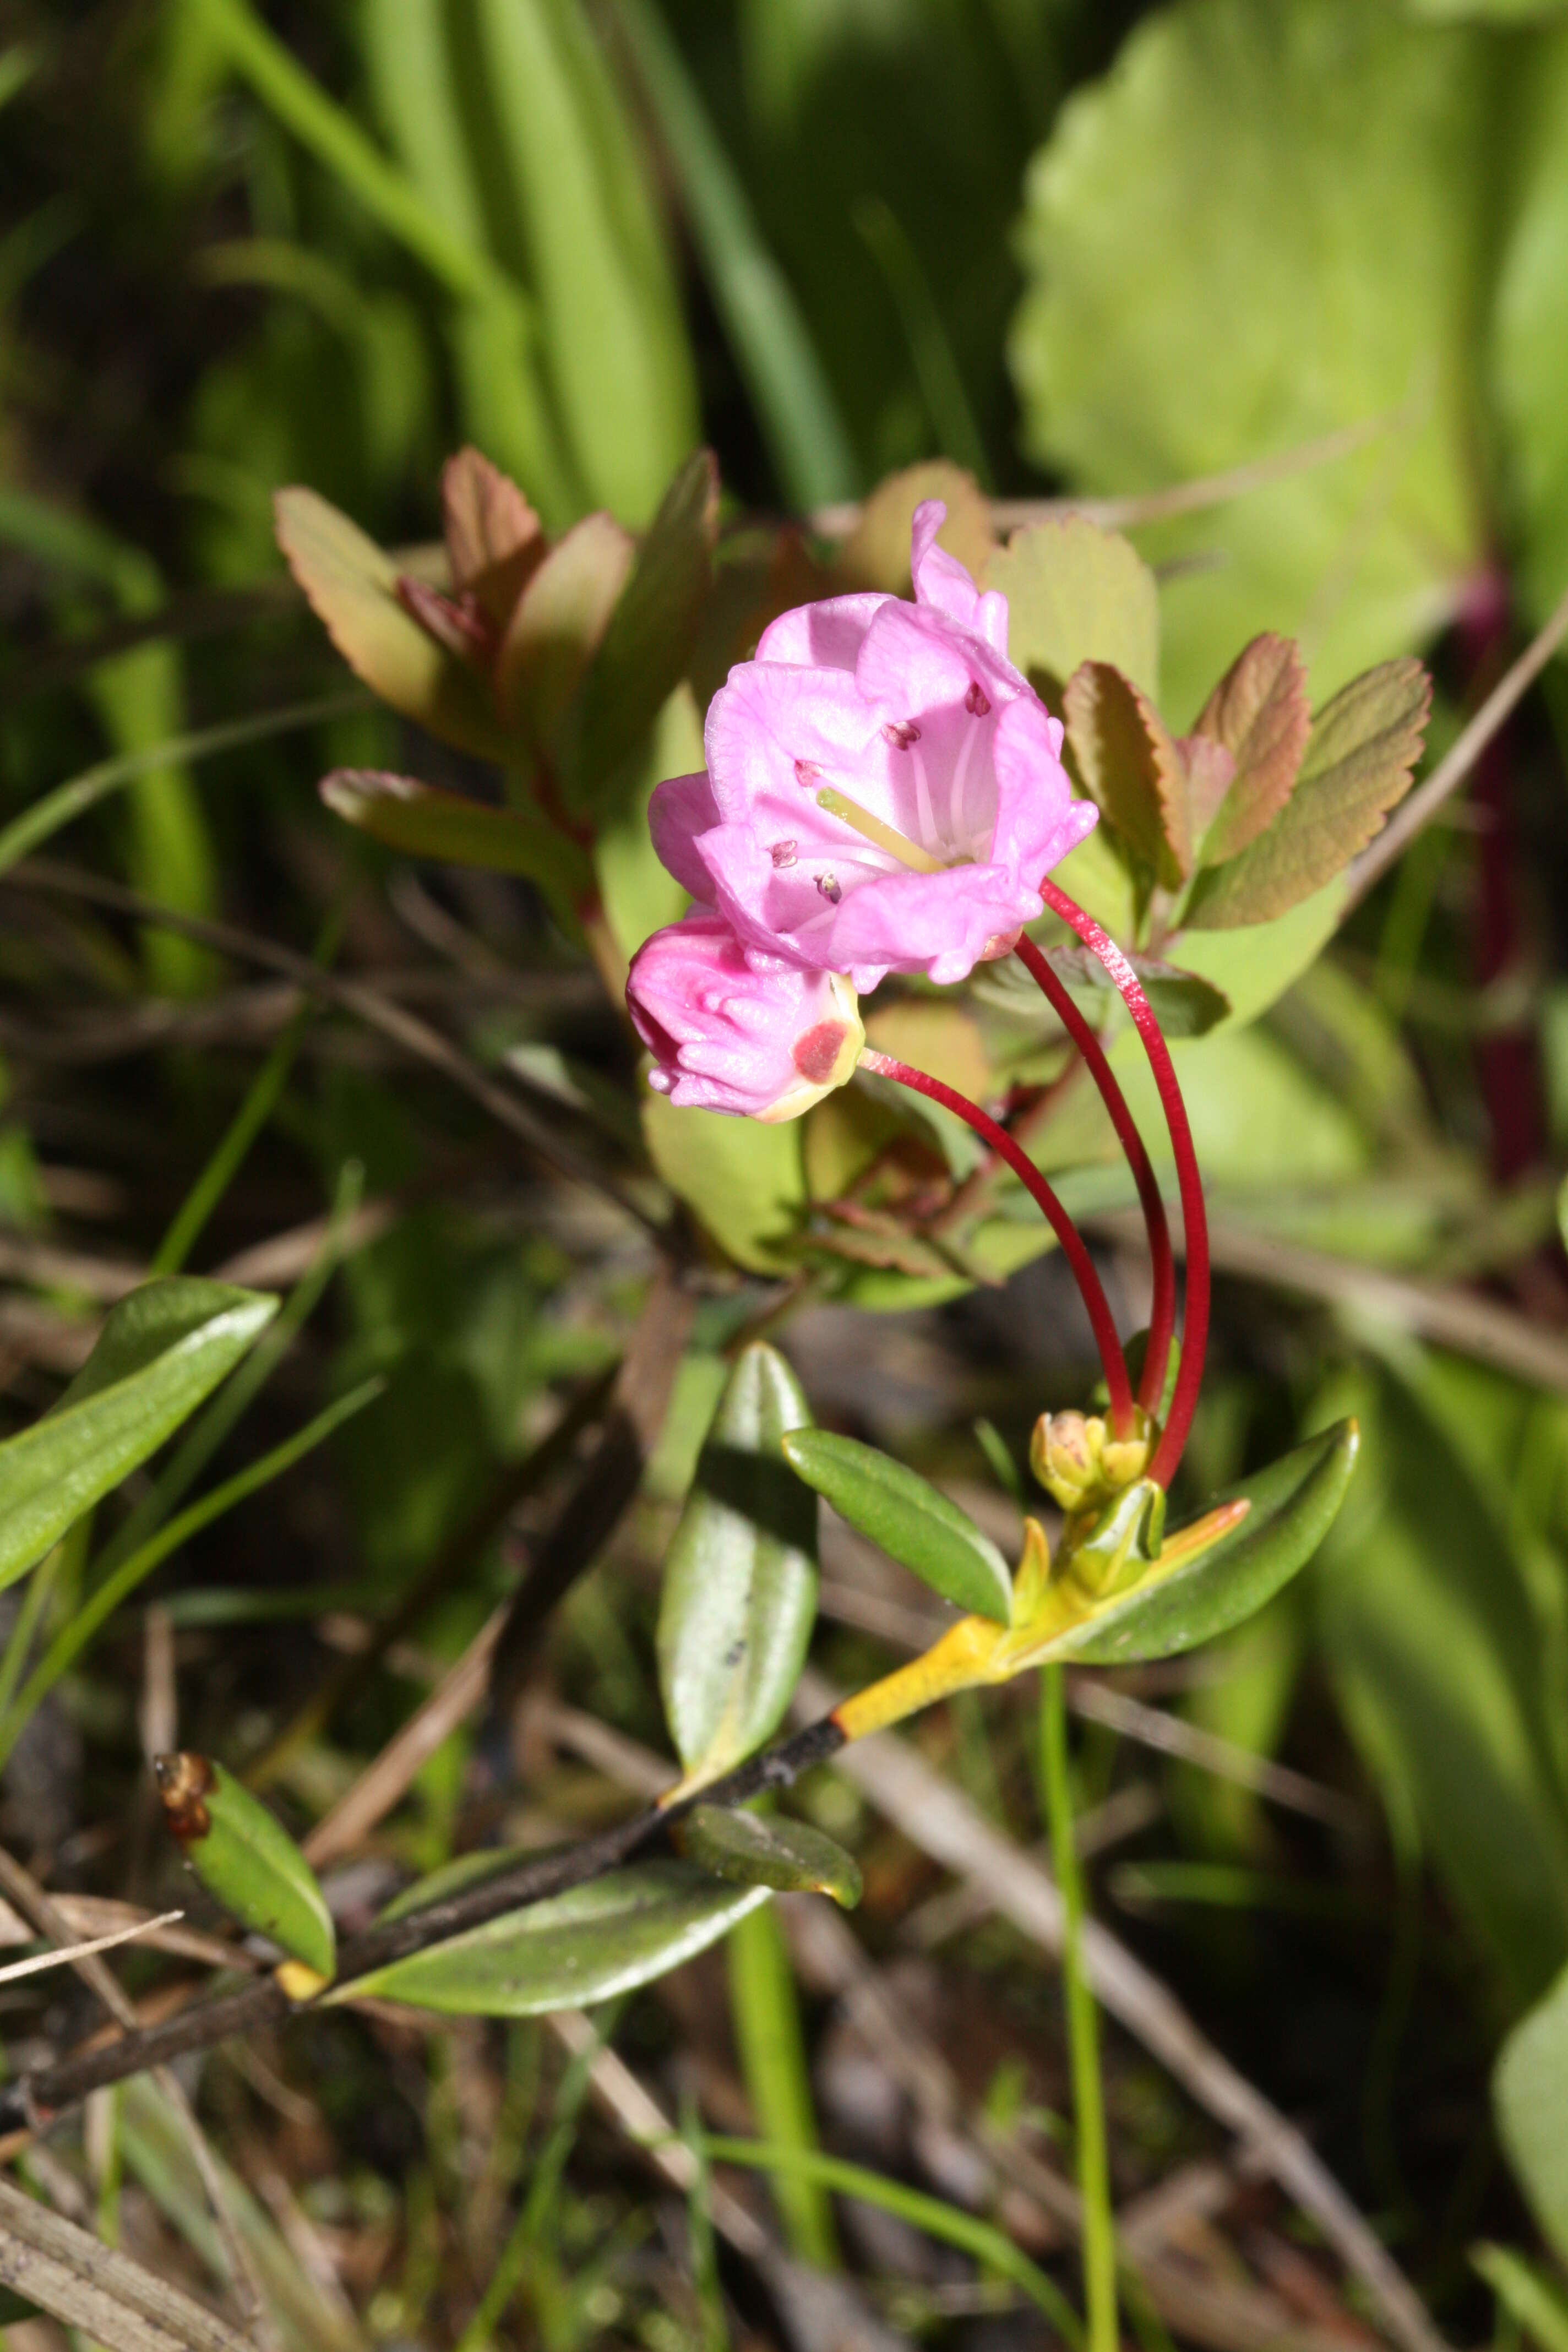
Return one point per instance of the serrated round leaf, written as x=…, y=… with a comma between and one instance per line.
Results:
x=912, y=1521
x=595, y=1941
x=1530, y=2094
x=739, y=1578
x=766, y=1850
x=160, y=1352
x=1294, y=1503
x=246, y=1859
x=1078, y=593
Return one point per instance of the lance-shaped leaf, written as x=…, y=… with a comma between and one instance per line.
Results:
x=754, y=1849
x=495, y=541
x=245, y=1859
x=352, y=584
x=1359, y=757
x=1530, y=2094
x=595, y=1941
x=1292, y=1504
x=902, y=1512
x=739, y=1580
x=1131, y=766
x=1078, y=593
x=160, y=1352
x=1184, y=1006
x=557, y=627
x=1260, y=715
x=645, y=651
x=423, y=821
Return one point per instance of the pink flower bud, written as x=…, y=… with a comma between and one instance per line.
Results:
x=759, y=1041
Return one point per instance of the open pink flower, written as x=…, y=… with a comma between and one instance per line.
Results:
x=763, y=1040
x=884, y=791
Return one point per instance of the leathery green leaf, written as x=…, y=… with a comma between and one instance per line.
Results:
x=1530, y=2094
x=902, y=1512
x=754, y=1851
x=245, y=1859
x=740, y=1581
x=352, y=585
x=423, y=821
x=595, y=1941
x=742, y=1177
x=1292, y=1505
x=160, y=1352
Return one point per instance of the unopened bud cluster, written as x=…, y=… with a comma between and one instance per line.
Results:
x=1078, y=1462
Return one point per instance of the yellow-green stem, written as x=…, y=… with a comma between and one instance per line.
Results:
x=1083, y=2026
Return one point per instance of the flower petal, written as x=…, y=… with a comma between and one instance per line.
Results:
x=821, y=636
x=680, y=810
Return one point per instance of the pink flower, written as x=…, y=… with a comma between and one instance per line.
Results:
x=884, y=791
x=760, y=1040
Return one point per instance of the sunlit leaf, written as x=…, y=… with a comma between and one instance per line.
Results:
x=757, y=1850
x=877, y=552
x=1358, y=761
x=909, y=1517
x=1078, y=593
x=1530, y=2092
x=741, y=1178
x=1132, y=769
x=740, y=1578
x=1293, y=1504
x=1260, y=715
x=607, y=1937
x=1532, y=2299
x=245, y=1859
x=423, y=821
x=352, y=584
x=557, y=627
x=1529, y=325
x=160, y=1352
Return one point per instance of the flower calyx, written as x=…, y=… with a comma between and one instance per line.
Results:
x=1082, y=1464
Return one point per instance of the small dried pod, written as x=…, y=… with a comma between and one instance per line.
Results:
x=247, y=1861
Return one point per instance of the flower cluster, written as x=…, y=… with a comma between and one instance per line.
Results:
x=884, y=793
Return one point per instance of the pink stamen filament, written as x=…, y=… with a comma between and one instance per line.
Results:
x=1194, y=1335
x=1162, y=1308
x=1101, y=1321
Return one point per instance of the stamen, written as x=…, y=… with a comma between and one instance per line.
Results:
x=872, y=828
x=783, y=853
x=900, y=733
x=830, y=888
x=806, y=771
x=977, y=703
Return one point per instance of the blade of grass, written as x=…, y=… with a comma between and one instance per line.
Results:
x=1083, y=2025
x=74, y=1638
x=765, y=2015
x=807, y=440
x=981, y=2240
x=930, y=352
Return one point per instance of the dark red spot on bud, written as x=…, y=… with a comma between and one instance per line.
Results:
x=900, y=733
x=815, y=1055
x=977, y=703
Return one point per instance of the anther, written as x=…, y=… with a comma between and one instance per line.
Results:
x=806, y=771
x=900, y=733
x=783, y=853
x=977, y=703
x=831, y=887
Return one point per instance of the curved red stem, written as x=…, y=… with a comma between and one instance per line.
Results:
x=1118, y=1385
x=1162, y=1307
x=1194, y=1335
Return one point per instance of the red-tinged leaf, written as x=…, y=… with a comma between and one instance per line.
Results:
x=877, y=552
x=1360, y=754
x=422, y=821
x=1131, y=765
x=352, y=587
x=1259, y=714
x=558, y=626
x=495, y=541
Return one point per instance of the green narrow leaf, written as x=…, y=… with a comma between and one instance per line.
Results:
x=1078, y=593
x=645, y=651
x=740, y=1581
x=1293, y=1504
x=423, y=821
x=352, y=585
x=901, y=1511
x=773, y=1851
x=770, y=2044
x=1532, y=2300
x=1360, y=754
x=1131, y=766
x=1530, y=2094
x=160, y=1352
x=246, y=1858
x=607, y=1937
